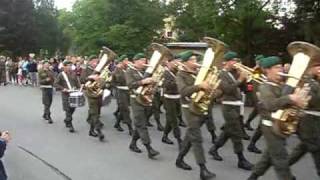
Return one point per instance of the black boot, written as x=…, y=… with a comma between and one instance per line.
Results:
x=214, y=153
x=133, y=145
x=149, y=124
x=166, y=140
x=213, y=136
x=92, y=132
x=130, y=129
x=181, y=164
x=181, y=122
x=45, y=116
x=243, y=163
x=245, y=136
x=248, y=126
x=205, y=174
x=253, y=177
x=151, y=152
x=117, y=125
x=100, y=134
x=253, y=148
x=159, y=125
x=49, y=119
x=71, y=128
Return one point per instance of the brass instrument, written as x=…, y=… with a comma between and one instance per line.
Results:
x=155, y=70
x=286, y=120
x=209, y=72
x=254, y=74
x=94, y=88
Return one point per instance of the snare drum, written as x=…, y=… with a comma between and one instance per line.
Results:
x=76, y=99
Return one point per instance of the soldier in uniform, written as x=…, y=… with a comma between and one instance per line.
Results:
x=254, y=112
x=193, y=138
x=95, y=103
x=171, y=102
x=135, y=79
x=119, y=81
x=46, y=80
x=231, y=104
x=65, y=82
x=258, y=133
x=309, y=126
x=272, y=100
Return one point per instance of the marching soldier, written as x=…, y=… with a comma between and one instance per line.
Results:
x=46, y=80
x=231, y=104
x=309, y=127
x=119, y=81
x=254, y=112
x=272, y=100
x=258, y=133
x=135, y=79
x=95, y=103
x=171, y=102
x=193, y=138
x=65, y=82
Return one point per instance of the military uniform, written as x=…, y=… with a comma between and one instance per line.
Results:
x=276, y=153
x=119, y=81
x=231, y=111
x=95, y=103
x=155, y=110
x=46, y=80
x=60, y=84
x=134, y=79
x=309, y=129
x=171, y=105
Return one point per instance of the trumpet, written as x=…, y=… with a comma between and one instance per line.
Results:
x=254, y=74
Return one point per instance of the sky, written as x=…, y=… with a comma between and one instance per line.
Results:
x=64, y=4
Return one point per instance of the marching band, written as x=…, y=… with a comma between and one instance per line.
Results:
x=189, y=85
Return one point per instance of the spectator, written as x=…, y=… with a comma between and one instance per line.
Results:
x=3, y=78
x=33, y=70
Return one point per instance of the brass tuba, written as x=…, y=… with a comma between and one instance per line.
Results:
x=209, y=72
x=94, y=88
x=155, y=70
x=286, y=120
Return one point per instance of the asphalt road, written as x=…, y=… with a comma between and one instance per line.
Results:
x=40, y=151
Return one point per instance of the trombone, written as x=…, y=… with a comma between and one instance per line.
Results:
x=254, y=74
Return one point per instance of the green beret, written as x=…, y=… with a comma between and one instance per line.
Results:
x=258, y=57
x=185, y=56
x=121, y=58
x=92, y=57
x=139, y=56
x=230, y=55
x=269, y=61
x=66, y=62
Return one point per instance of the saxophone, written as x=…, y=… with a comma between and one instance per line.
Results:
x=155, y=70
x=286, y=120
x=95, y=88
x=209, y=72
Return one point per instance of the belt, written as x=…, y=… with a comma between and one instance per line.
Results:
x=46, y=86
x=233, y=103
x=266, y=122
x=133, y=96
x=172, y=96
x=314, y=113
x=123, y=87
x=185, y=105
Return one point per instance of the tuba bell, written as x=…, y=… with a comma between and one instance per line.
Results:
x=286, y=120
x=94, y=88
x=155, y=70
x=209, y=72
